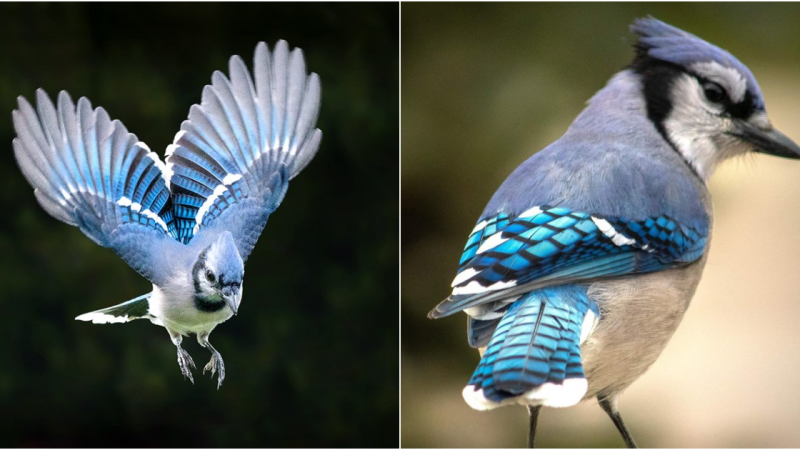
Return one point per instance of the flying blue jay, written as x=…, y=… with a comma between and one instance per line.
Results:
x=187, y=224
x=584, y=261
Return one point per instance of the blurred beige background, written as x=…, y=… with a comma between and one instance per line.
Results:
x=486, y=85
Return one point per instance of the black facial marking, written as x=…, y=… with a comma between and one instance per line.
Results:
x=205, y=305
x=198, y=267
x=744, y=109
x=657, y=80
x=223, y=283
x=200, y=302
x=658, y=77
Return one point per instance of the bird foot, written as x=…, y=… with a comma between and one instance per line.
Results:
x=185, y=362
x=215, y=365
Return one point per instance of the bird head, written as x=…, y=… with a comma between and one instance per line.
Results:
x=702, y=99
x=218, y=275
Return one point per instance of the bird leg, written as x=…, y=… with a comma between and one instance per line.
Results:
x=215, y=365
x=533, y=412
x=184, y=360
x=610, y=407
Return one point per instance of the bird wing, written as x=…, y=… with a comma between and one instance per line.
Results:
x=90, y=172
x=506, y=256
x=231, y=162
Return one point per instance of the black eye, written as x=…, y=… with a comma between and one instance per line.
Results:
x=714, y=92
x=210, y=276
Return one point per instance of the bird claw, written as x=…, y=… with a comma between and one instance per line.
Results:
x=216, y=366
x=185, y=362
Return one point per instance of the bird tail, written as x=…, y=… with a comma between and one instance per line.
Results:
x=138, y=308
x=534, y=354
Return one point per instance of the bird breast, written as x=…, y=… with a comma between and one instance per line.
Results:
x=174, y=305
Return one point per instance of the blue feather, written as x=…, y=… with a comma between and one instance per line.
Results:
x=558, y=245
x=536, y=342
x=667, y=43
x=557, y=238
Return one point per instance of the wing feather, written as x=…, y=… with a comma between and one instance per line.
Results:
x=262, y=71
x=90, y=172
x=245, y=94
x=507, y=257
x=239, y=148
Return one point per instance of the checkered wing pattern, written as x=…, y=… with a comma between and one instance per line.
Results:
x=489, y=227
x=553, y=245
x=88, y=171
x=232, y=160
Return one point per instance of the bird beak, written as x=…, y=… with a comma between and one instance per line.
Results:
x=759, y=133
x=229, y=295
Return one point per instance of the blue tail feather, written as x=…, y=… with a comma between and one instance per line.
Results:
x=536, y=342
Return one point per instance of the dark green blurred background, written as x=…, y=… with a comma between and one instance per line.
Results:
x=312, y=359
x=484, y=86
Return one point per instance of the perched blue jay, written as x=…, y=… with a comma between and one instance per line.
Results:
x=187, y=224
x=586, y=258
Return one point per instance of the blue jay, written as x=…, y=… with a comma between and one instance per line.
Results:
x=586, y=258
x=189, y=223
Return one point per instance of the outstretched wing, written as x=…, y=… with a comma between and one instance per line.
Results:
x=88, y=171
x=506, y=257
x=231, y=162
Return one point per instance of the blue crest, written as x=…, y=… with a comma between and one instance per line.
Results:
x=223, y=256
x=664, y=42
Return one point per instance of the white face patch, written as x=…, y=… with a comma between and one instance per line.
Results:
x=206, y=286
x=729, y=78
x=696, y=127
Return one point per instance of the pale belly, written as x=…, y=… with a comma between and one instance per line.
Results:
x=639, y=315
